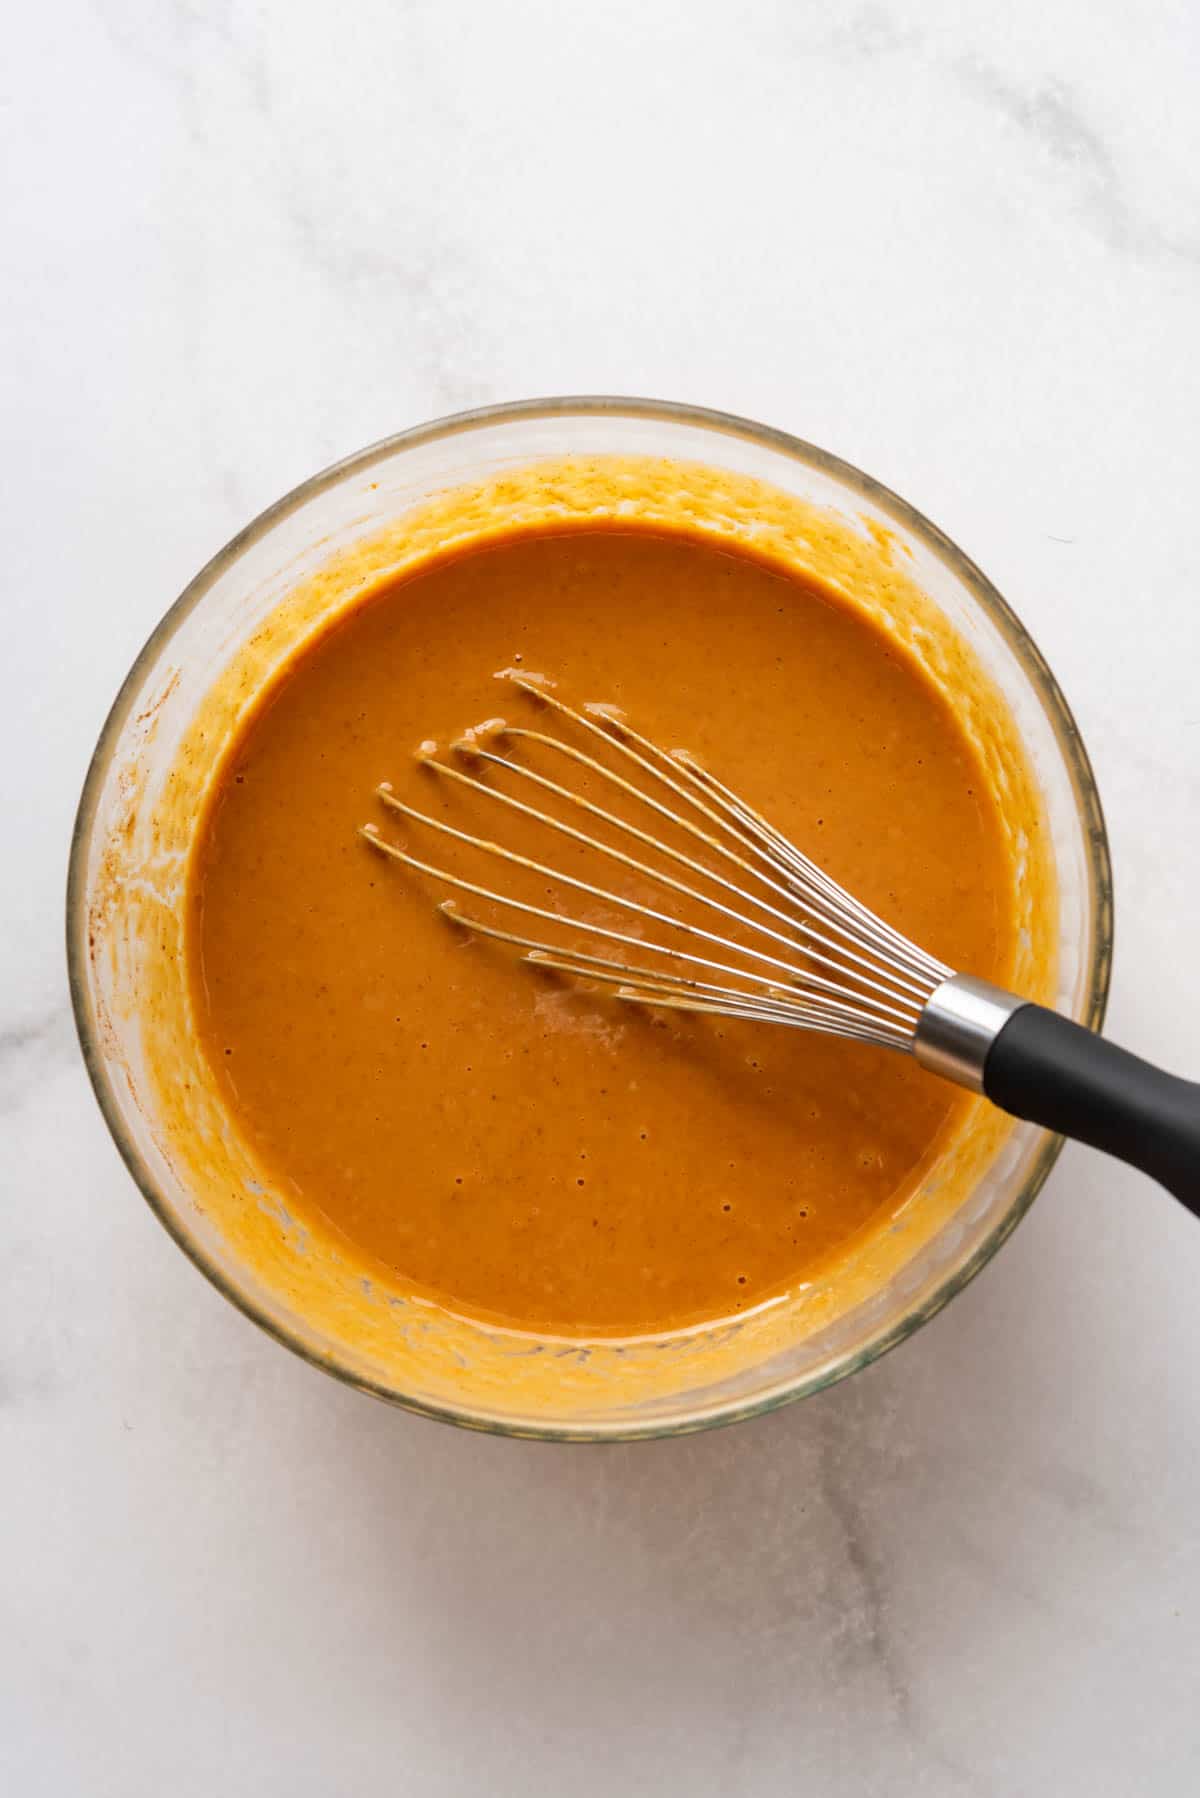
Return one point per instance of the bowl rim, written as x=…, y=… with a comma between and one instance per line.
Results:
x=718, y=423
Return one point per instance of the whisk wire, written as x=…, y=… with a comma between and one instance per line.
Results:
x=608, y=897
x=643, y=984
x=544, y=952
x=750, y=830
x=817, y=886
x=844, y=970
x=828, y=953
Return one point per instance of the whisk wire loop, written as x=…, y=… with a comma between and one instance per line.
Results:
x=832, y=964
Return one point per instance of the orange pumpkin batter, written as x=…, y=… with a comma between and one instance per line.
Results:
x=522, y=1148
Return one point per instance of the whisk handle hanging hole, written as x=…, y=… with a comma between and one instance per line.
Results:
x=1053, y=1072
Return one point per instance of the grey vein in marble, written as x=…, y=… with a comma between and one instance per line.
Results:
x=873, y=31
x=31, y=1050
x=1050, y=116
x=840, y=1475
x=1046, y=112
x=426, y=288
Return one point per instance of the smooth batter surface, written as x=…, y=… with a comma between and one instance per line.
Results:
x=520, y=1147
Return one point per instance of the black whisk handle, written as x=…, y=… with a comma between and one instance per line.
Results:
x=1043, y=1067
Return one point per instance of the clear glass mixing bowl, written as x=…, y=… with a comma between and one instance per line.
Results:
x=458, y=1369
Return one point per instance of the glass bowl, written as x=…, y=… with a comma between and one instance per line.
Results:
x=125, y=905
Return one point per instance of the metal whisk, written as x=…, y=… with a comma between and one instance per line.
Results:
x=780, y=943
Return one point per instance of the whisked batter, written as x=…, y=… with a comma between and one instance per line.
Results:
x=516, y=1146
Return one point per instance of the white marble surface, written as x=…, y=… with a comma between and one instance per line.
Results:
x=957, y=243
